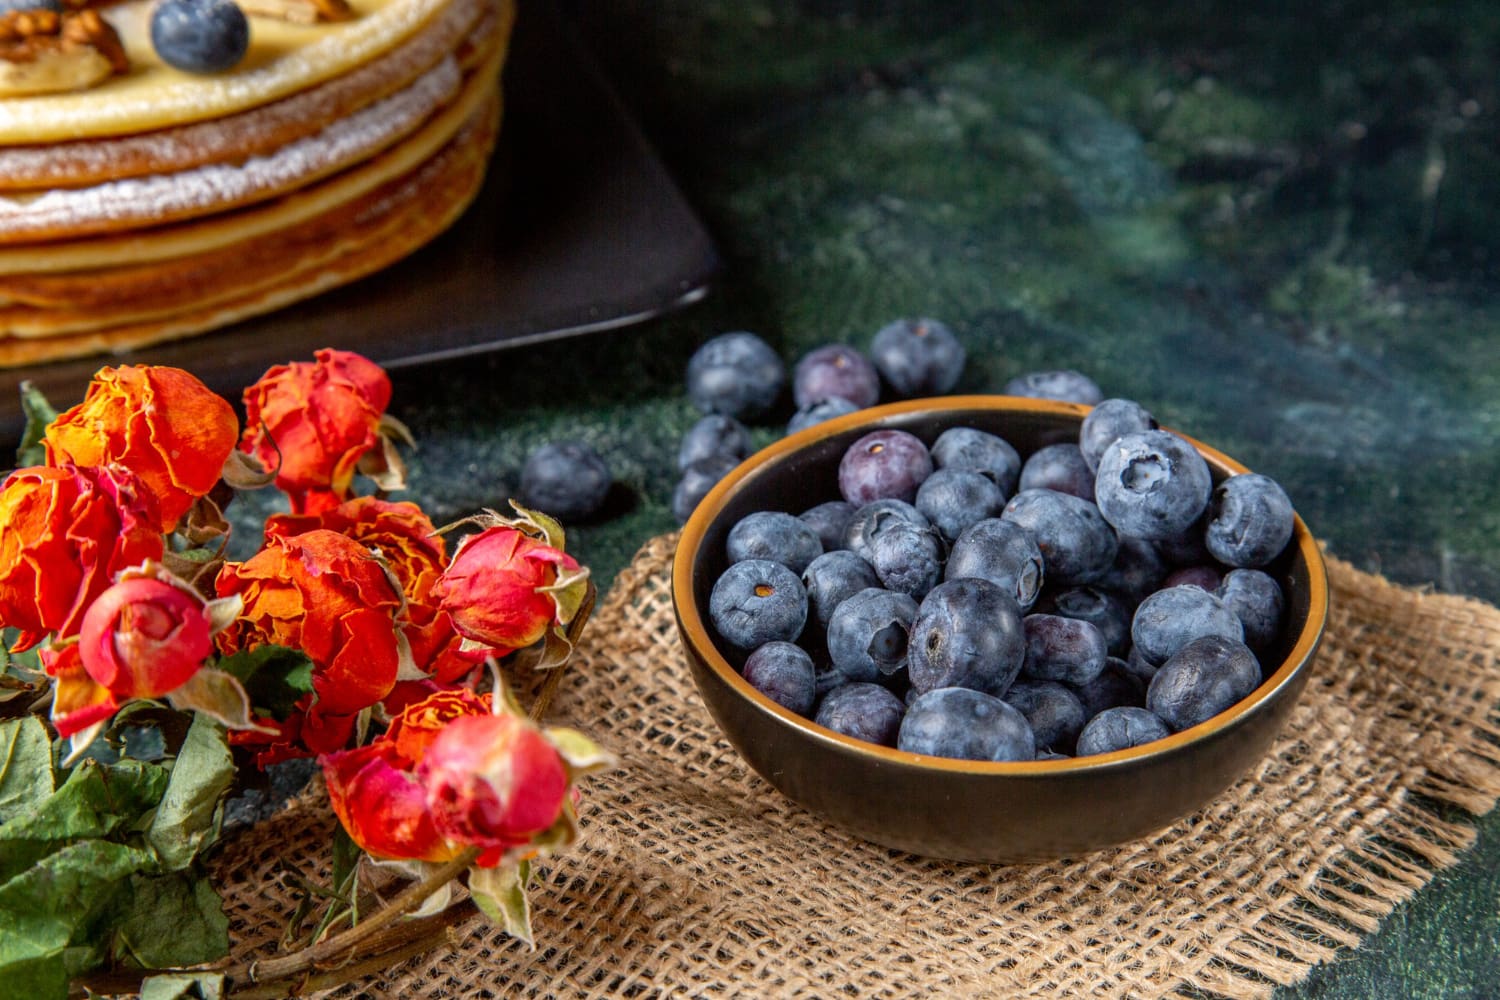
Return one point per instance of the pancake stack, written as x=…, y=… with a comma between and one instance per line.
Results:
x=157, y=204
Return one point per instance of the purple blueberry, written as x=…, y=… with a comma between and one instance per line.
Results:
x=1065, y=385
x=1138, y=570
x=200, y=36
x=830, y=520
x=967, y=633
x=736, y=374
x=1257, y=601
x=1207, y=577
x=1152, y=485
x=873, y=518
x=1099, y=607
x=835, y=371
x=1115, y=687
x=774, y=535
x=907, y=559
x=1002, y=552
x=1120, y=729
x=954, y=499
x=568, y=480
x=714, y=434
x=1062, y=649
x=981, y=452
x=862, y=711
x=1202, y=679
x=1055, y=714
x=1059, y=467
x=1250, y=520
x=918, y=357
x=833, y=578
x=869, y=633
x=783, y=672
x=756, y=602
x=1186, y=548
x=1107, y=423
x=1170, y=619
x=697, y=479
x=965, y=725
x=887, y=464
x=1077, y=544
x=815, y=413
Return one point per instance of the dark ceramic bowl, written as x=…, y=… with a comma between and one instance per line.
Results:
x=957, y=809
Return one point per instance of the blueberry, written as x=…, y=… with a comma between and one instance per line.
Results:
x=833, y=578
x=714, y=434
x=1138, y=569
x=835, y=371
x=1140, y=668
x=965, y=725
x=1077, y=544
x=1002, y=552
x=816, y=413
x=756, y=602
x=873, y=518
x=568, y=480
x=774, y=535
x=1170, y=619
x=1062, y=649
x=1107, y=423
x=1055, y=714
x=200, y=36
x=783, y=672
x=697, y=479
x=6, y=6
x=1257, y=601
x=863, y=711
x=967, y=633
x=1059, y=467
x=981, y=452
x=954, y=499
x=918, y=357
x=736, y=374
x=1120, y=729
x=1152, y=484
x=1103, y=610
x=1186, y=548
x=1115, y=687
x=1250, y=520
x=869, y=633
x=1206, y=577
x=884, y=464
x=1065, y=385
x=829, y=520
x=907, y=559
x=1202, y=679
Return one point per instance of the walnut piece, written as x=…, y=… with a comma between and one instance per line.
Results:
x=43, y=52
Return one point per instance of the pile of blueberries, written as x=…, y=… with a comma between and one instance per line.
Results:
x=959, y=600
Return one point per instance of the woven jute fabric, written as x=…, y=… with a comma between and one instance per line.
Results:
x=694, y=878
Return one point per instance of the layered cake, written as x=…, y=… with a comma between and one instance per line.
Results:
x=142, y=201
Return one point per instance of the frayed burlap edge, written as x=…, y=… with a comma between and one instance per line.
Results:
x=696, y=879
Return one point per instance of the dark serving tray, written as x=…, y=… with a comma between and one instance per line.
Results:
x=578, y=228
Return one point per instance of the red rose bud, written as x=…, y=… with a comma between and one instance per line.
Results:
x=505, y=589
x=143, y=638
x=382, y=805
x=493, y=780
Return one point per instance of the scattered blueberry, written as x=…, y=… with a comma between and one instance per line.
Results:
x=869, y=634
x=873, y=518
x=954, y=499
x=979, y=451
x=756, y=602
x=1250, y=520
x=736, y=374
x=1002, y=552
x=1202, y=679
x=200, y=36
x=568, y=480
x=783, y=672
x=714, y=434
x=1077, y=544
x=884, y=464
x=1055, y=714
x=835, y=371
x=918, y=357
x=1106, y=423
x=1059, y=467
x=1170, y=619
x=815, y=413
x=1120, y=729
x=967, y=633
x=774, y=535
x=1152, y=484
x=863, y=711
x=1257, y=601
x=697, y=479
x=1067, y=386
x=833, y=578
x=1062, y=649
x=830, y=520
x=965, y=725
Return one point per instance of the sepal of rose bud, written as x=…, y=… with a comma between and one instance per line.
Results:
x=500, y=894
x=381, y=804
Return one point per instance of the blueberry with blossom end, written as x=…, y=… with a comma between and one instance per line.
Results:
x=200, y=36
x=869, y=634
x=1250, y=520
x=833, y=578
x=962, y=724
x=1002, y=552
x=756, y=602
x=774, y=535
x=817, y=412
x=568, y=480
x=1256, y=599
x=954, y=499
x=884, y=464
x=1202, y=679
x=736, y=374
x=979, y=451
x=1097, y=606
x=1059, y=467
x=1170, y=619
x=1062, y=649
x=907, y=559
x=697, y=479
x=1077, y=544
x=918, y=357
x=1055, y=714
x=967, y=633
x=1152, y=485
x=1064, y=385
x=863, y=711
x=1106, y=423
x=835, y=371
x=830, y=520
x=783, y=672
x=872, y=518
x=1115, y=687
x=714, y=434
x=1120, y=729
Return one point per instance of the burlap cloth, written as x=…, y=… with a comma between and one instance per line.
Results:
x=695, y=878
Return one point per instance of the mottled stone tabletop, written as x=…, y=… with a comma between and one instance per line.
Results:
x=1278, y=226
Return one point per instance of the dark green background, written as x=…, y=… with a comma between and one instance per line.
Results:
x=1277, y=225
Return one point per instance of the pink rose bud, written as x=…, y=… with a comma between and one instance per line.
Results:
x=493, y=780
x=502, y=587
x=143, y=637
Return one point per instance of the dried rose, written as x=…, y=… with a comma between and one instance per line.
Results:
x=418, y=724
x=144, y=637
x=64, y=533
x=313, y=422
x=382, y=805
x=78, y=701
x=161, y=423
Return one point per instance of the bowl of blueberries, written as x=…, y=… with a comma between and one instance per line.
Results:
x=998, y=628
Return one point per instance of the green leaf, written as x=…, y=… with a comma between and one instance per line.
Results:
x=219, y=696
x=500, y=894
x=36, y=977
x=39, y=413
x=184, y=986
x=187, y=820
x=96, y=801
x=169, y=920
x=273, y=676
x=26, y=778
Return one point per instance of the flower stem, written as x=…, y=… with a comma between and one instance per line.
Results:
x=554, y=677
